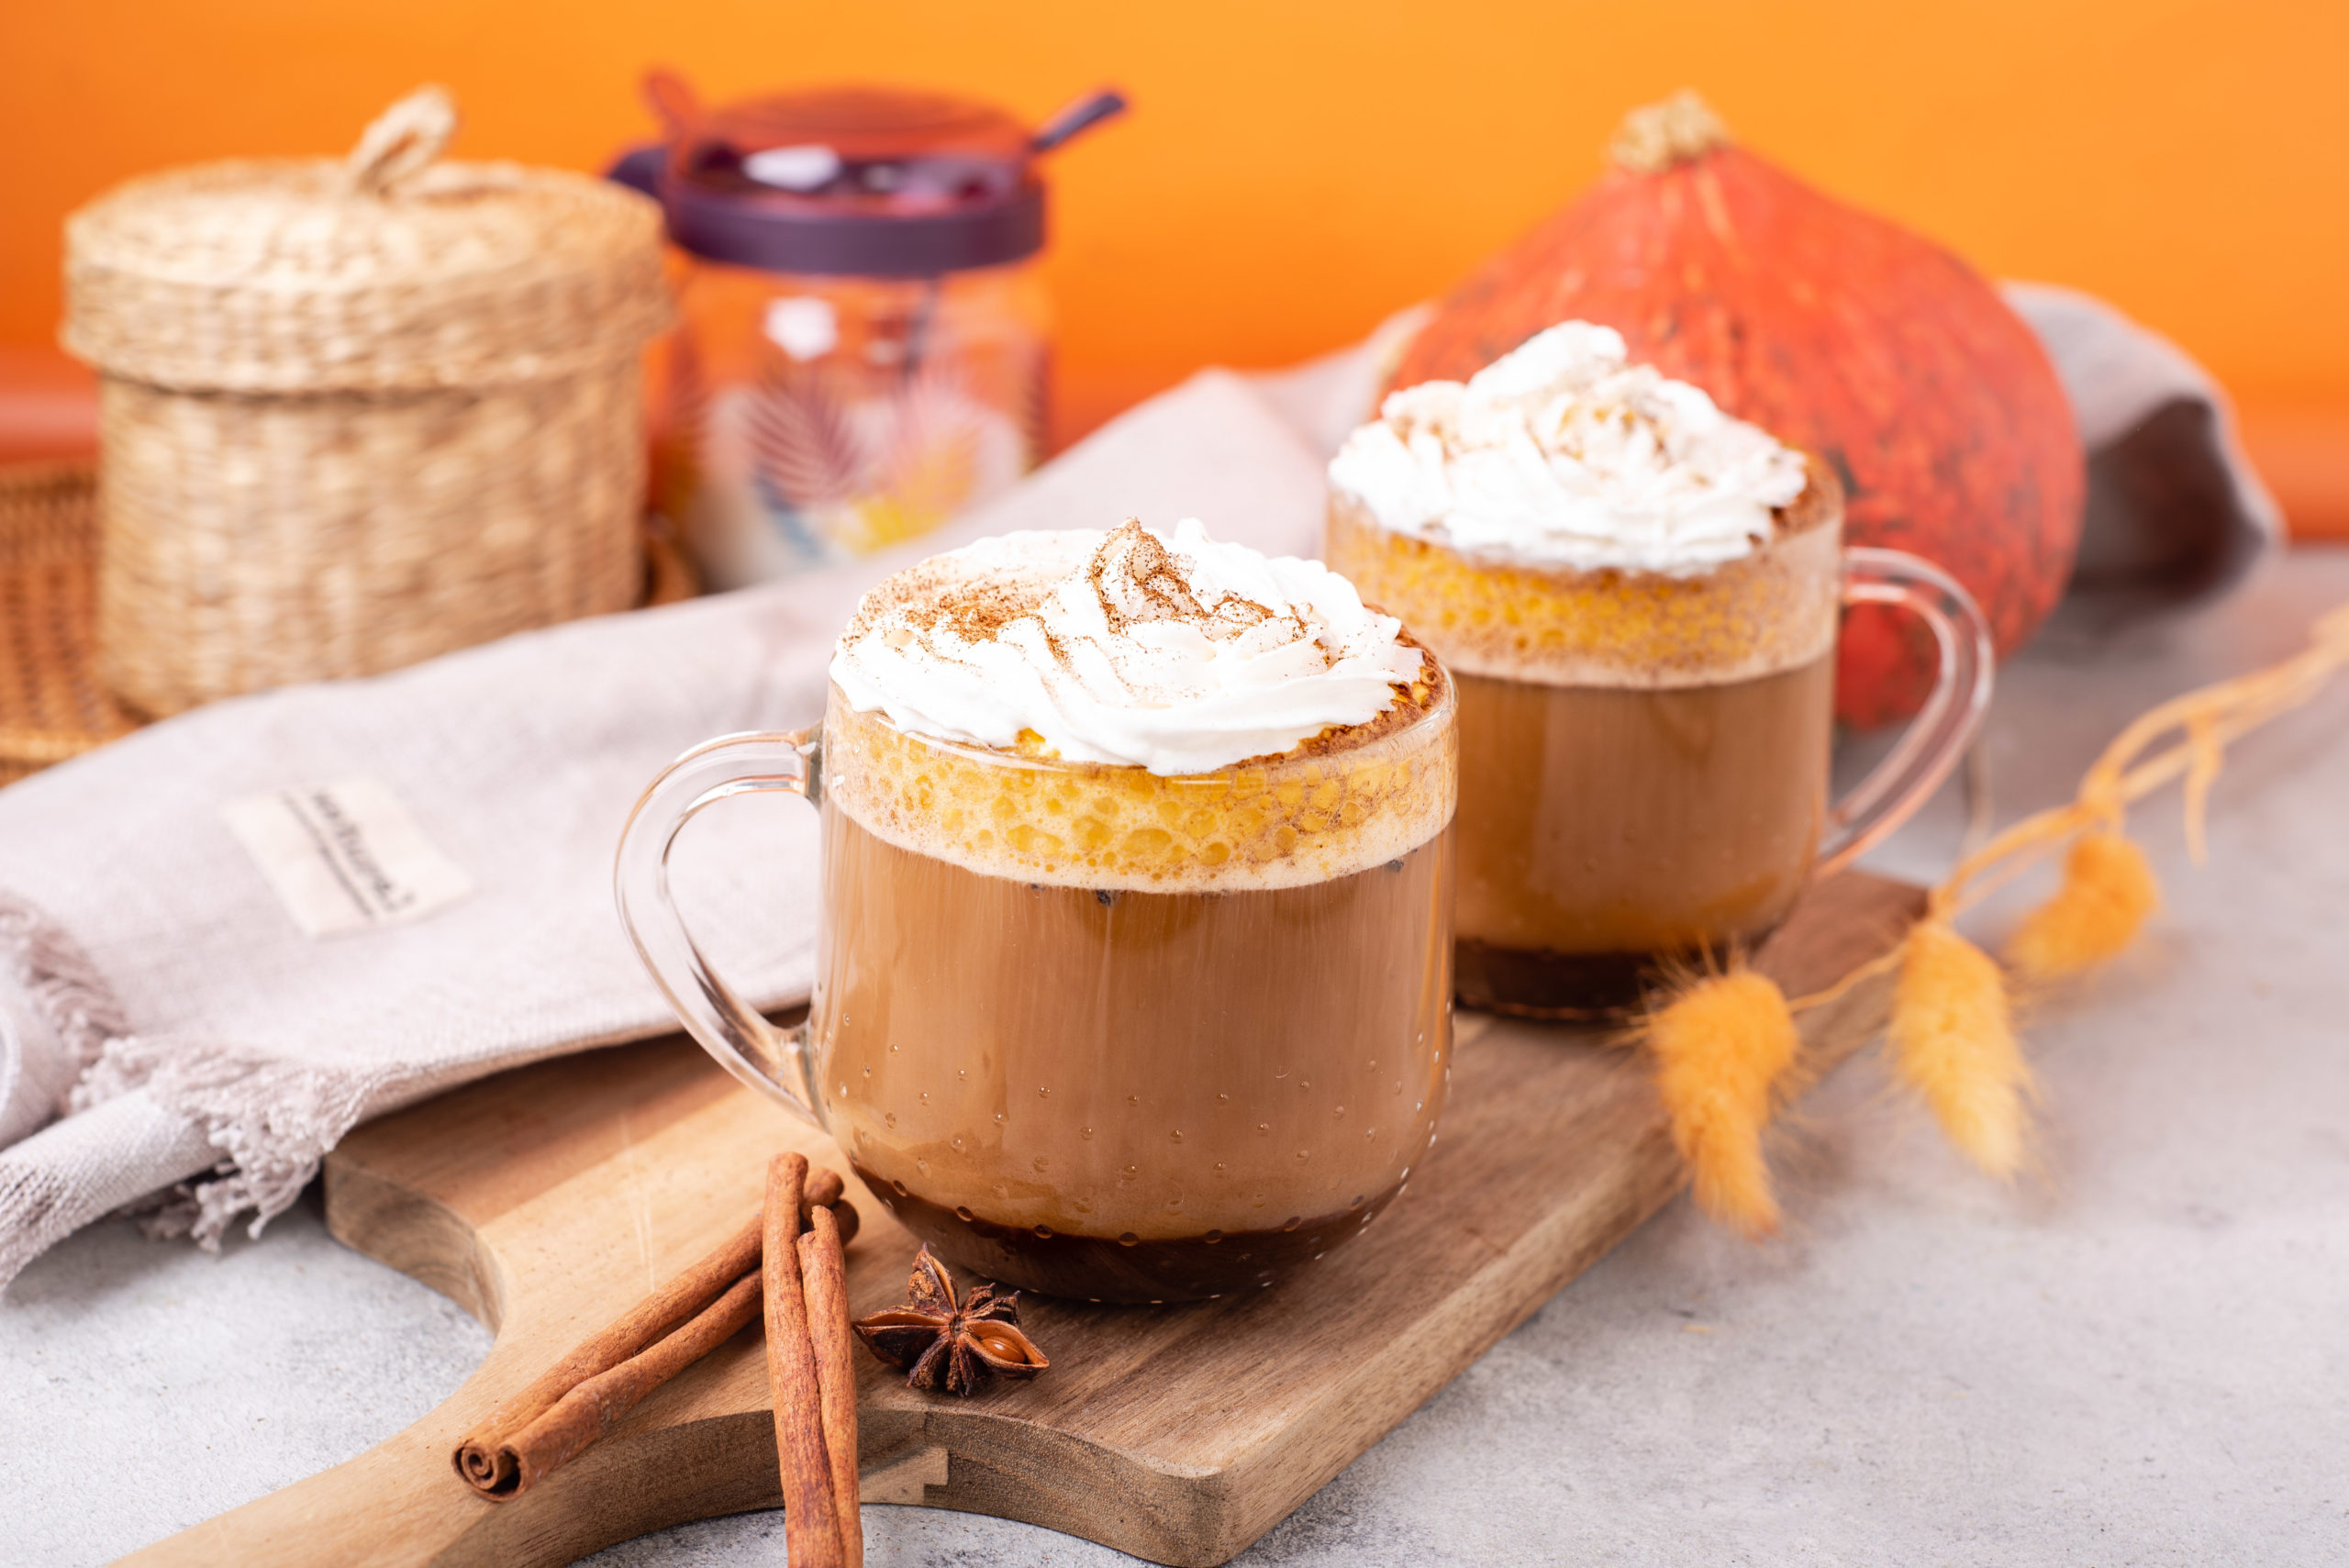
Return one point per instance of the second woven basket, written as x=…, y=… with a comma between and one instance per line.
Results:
x=354, y=414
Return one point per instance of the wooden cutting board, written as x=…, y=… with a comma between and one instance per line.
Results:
x=548, y=1200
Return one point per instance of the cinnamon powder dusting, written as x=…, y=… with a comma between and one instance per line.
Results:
x=1135, y=579
x=1138, y=579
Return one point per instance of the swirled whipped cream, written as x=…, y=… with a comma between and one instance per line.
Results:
x=1150, y=647
x=1560, y=455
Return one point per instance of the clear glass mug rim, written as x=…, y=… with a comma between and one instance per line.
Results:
x=790, y=763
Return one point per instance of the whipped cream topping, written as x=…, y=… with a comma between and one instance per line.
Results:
x=1562, y=455
x=1149, y=648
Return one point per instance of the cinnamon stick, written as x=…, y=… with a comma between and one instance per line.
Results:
x=811, y=1531
x=823, y=1187
x=482, y=1457
x=593, y=1408
x=824, y=1281
x=485, y=1460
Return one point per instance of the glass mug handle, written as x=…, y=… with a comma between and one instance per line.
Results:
x=1938, y=736
x=770, y=1059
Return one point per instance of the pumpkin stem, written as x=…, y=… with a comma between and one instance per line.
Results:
x=1653, y=139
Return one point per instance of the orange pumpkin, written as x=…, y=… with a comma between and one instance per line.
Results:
x=1830, y=328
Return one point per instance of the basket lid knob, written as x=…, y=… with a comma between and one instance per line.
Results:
x=402, y=140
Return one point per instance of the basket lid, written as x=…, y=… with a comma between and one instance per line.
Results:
x=385, y=270
x=879, y=181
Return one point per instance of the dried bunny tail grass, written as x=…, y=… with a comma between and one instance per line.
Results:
x=1953, y=1042
x=1723, y=1044
x=2185, y=738
x=1720, y=1046
x=2109, y=891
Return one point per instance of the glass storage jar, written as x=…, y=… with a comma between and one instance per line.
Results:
x=865, y=339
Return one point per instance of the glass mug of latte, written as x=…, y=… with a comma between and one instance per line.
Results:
x=1638, y=600
x=1133, y=979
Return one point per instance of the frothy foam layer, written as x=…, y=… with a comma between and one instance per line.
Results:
x=1165, y=650
x=1775, y=609
x=1564, y=456
x=1340, y=803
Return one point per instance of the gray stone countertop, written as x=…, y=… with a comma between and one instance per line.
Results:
x=2139, y=1355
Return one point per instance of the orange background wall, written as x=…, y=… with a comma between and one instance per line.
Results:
x=1294, y=170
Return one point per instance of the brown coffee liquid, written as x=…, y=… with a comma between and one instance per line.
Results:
x=1129, y=1096
x=1606, y=830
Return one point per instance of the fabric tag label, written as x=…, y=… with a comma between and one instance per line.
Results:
x=344, y=857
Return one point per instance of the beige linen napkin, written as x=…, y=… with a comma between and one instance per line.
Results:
x=153, y=975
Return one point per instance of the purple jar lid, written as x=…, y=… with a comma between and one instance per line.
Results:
x=851, y=181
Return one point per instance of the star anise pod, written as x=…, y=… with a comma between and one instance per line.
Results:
x=942, y=1343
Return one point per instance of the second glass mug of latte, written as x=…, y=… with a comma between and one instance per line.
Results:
x=1645, y=758
x=1088, y=1029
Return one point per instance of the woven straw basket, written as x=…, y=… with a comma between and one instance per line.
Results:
x=357, y=412
x=50, y=707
